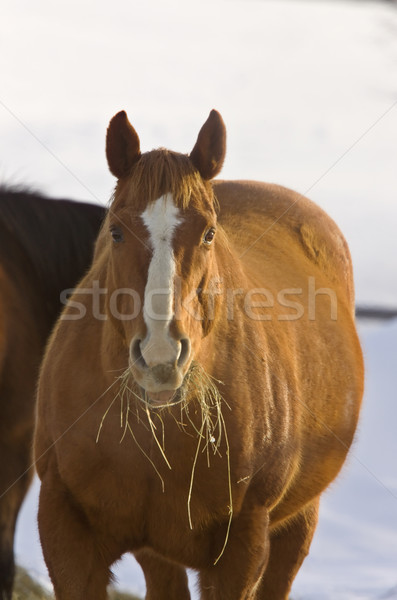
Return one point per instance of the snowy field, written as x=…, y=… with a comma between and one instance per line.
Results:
x=308, y=92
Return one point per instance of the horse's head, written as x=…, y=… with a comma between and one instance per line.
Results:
x=162, y=269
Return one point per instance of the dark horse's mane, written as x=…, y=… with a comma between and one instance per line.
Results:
x=53, y=239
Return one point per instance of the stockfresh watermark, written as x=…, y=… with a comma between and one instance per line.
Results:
x=257, y=304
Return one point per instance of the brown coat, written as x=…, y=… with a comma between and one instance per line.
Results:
x=273, y=320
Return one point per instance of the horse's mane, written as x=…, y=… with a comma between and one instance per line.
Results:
x=162, y=171
x=55, y=238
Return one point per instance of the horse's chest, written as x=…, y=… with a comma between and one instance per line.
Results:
x=149, y=487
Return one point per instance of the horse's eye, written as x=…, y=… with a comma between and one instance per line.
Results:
x=117, y=234
x=209, y=236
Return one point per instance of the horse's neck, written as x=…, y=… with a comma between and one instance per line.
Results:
x=234, y=280
x=231, y=325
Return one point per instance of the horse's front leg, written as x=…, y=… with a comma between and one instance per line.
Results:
x=238, y=571
x=15, y=477
x=77, y=561
x=289, y=545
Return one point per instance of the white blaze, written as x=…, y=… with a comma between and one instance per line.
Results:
x=161, y=218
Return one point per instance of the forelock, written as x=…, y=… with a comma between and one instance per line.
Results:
x=160, y=172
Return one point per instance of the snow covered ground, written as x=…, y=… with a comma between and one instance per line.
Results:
x=309, y=96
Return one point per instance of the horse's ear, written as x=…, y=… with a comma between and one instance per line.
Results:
x=122, y=145
x=209, y=151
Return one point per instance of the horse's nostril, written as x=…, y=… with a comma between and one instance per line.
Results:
x=136, y=354
x=185, y=351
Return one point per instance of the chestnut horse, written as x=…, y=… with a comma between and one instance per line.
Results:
x=203, y=386
x=45, y=246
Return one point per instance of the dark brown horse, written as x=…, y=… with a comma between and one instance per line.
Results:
x=45, y=247
x=202, y=388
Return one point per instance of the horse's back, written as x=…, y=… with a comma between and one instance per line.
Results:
x=268, y=223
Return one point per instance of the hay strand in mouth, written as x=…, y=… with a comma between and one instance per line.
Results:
x=152, y=427
x=189, y=497
x=212, y=428
x=124, y=394
x=108, y=409
x=148, y=457
x=229, y=479
x=199, y=393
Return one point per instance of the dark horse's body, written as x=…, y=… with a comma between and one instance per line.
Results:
x=45, y=247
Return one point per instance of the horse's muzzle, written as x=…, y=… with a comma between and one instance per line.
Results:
x=160, y=379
